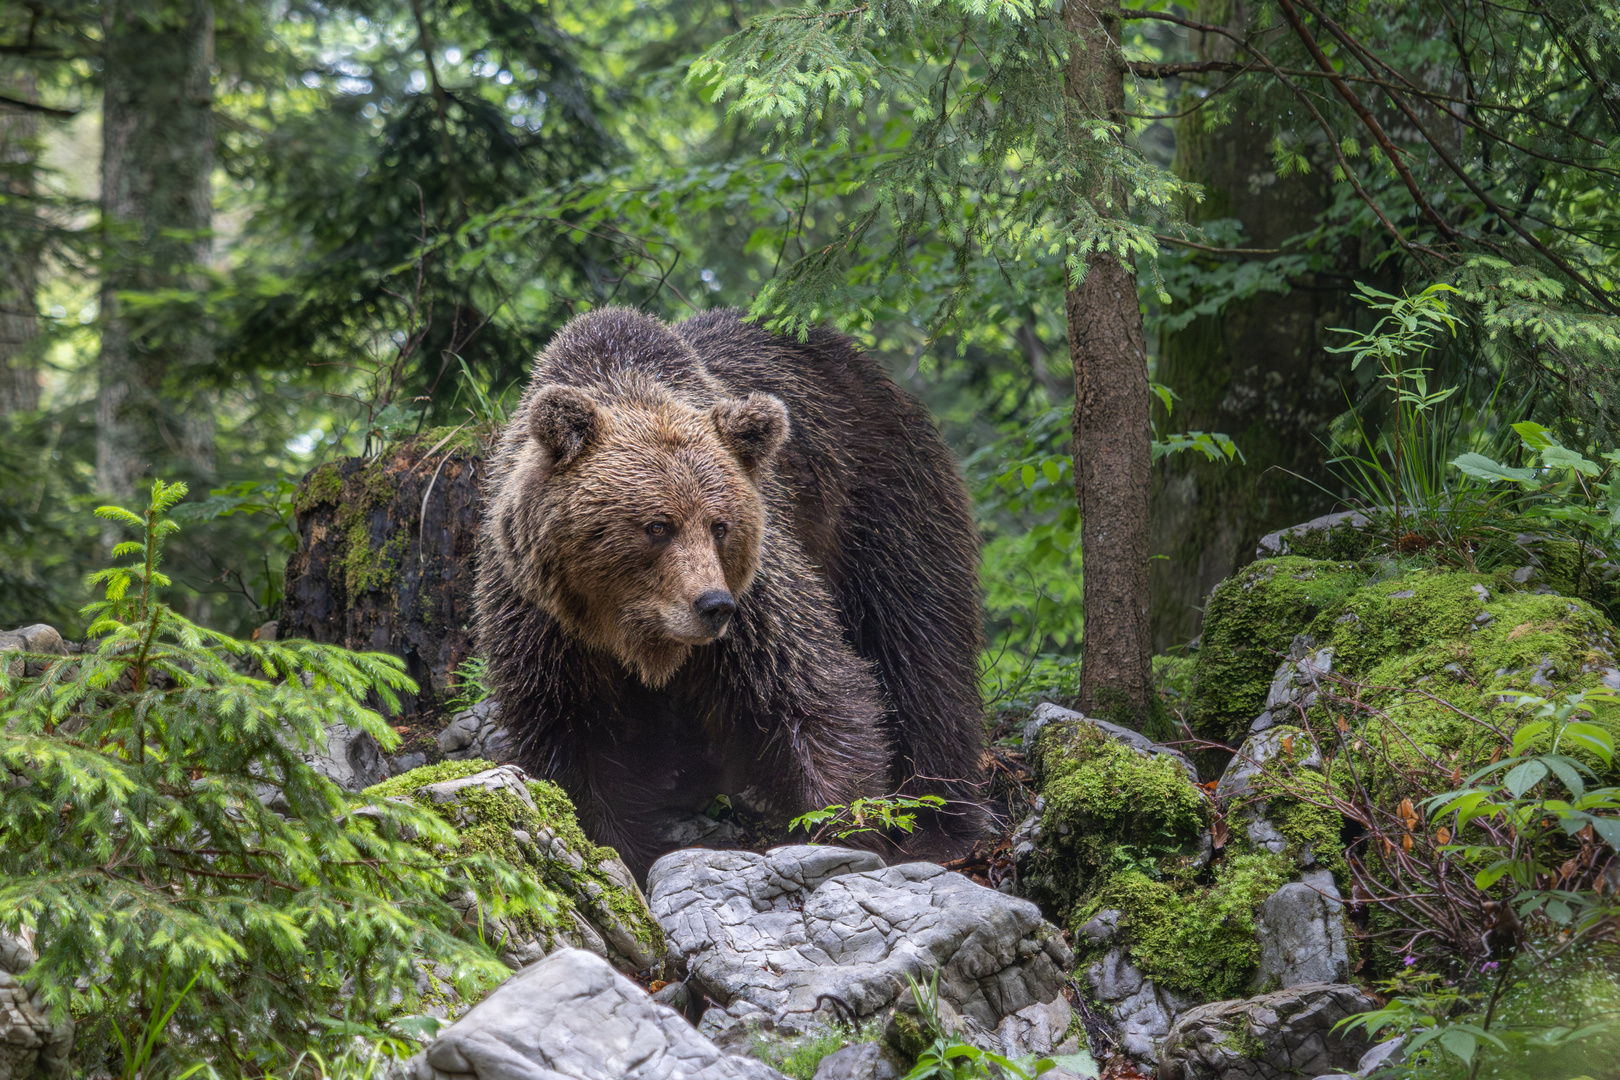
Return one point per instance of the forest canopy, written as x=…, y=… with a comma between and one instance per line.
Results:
x=241, y=240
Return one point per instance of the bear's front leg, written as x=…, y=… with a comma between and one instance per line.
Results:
x=785, y=672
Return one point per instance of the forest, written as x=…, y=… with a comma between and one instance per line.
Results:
x=1277, y=344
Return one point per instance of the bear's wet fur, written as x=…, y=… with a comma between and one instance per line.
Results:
x=716, y=560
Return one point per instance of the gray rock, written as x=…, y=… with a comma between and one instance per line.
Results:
x=1286, y=1033
x=1256, y=755
x=1301, y=932
x=597, y=924
x=862, y=1061
x=400, y=764
x=1276, y=543
x=1035, y=1029
x=799, y=928
x=350, y=758
x=1295, y=683
x=32, y=1046
x=1048, y=713
x=476, y=732
x=1385, y=1053
x=1102, y=927
x=679, y=830
x=572, y=1017
x=38, y=638
x=1141, y=1012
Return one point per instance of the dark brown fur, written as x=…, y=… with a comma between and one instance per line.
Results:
x=848, y=666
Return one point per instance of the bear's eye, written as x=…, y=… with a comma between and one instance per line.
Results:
x=719, y=529
x=660, y=530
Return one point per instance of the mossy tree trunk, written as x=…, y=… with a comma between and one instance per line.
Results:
x=1111, y=430
x=385, y=561
x=1256, y=371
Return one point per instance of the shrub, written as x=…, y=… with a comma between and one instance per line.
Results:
x=137, y=840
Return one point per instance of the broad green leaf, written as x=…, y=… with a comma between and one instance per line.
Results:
x=1560, y=458
x=1483, y=468
x=1458, y=1043
x=1534, y=436
x=1524, y=777
x=1591, y=737
x=1528, y=734
x=1492, y=873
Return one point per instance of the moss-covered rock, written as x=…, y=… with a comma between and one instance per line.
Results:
x=1106, y=806
x=1188, y=938
x=1436, y=651
x=525, y=822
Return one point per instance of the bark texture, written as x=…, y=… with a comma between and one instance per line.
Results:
x=20, y=234
x=385, y=561
x=1112, y=439
x=1256, y=371
x=157, y=211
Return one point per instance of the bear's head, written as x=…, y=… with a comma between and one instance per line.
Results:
x=634, y=518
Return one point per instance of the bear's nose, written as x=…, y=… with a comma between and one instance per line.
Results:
x=715, y=608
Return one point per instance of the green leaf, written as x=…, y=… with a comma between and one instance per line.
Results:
x=1458, y=1043
x=1528, y=734
x=1483, y=468
x=1559, y=458
x=1534, y=436
x=1591, y=737
x=1492, y=873
x=1524, y=777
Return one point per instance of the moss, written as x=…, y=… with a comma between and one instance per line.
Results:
x=1406, y=631
x=463, y=439
x=1251, y=619
x=485, y=820
x=405, y=785
x=1109, y=807
x=1244, y=1042
x=1189, y=939
x=323, y=485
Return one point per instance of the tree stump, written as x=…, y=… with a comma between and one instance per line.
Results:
x=385, y=560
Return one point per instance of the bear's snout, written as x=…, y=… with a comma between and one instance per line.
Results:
x=715, y=608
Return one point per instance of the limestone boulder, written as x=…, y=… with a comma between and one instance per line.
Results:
x=531, y=823
x=571, y=1016
x=32, y=1045
x=808, y=933
x=1277, y=1036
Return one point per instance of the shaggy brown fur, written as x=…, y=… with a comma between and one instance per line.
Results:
x=715, y=560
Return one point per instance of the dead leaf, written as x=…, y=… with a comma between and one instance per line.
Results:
x=1288, y=745
x=656, y=985
x=1496, y=755
x=1218, y=832
x=1567, y=871
x=1407, y=814
x=1443, y=836
x=1406, y=843
x=1519, y=631
x=1344, y=727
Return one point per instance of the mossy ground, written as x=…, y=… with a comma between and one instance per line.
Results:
x=493, y=817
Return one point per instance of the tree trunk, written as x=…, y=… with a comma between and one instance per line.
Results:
x=374, y=572
x=1255, y=371
x=157, y=210
x=1112, y=440
x=19, y=257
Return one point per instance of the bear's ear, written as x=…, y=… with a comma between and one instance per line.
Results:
x=562, y=420
x=754, y=427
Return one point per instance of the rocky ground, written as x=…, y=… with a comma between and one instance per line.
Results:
x=1181, y=911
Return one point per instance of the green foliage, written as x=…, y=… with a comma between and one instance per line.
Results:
x=471, y=684
x=137, y=838
x=947, y=1057
x=1110, y=809
x=883, y=812
x=800, y=1057
x=999, y=163
x=1532, y=801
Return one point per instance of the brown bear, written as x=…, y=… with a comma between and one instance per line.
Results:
x=716, y=560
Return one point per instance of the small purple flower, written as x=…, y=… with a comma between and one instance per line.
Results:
x=1408, y=960
x=1489, y=965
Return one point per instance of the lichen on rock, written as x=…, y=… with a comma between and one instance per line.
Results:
x=500, y=811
